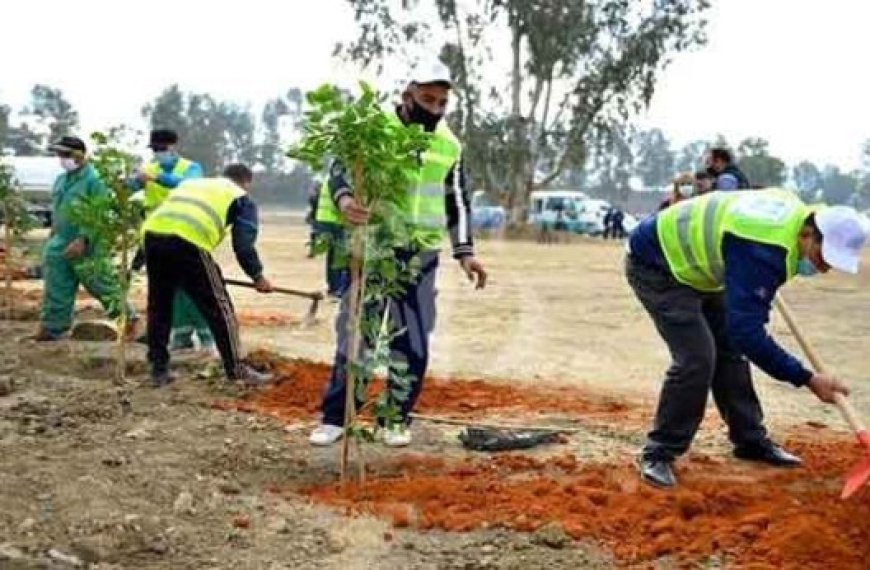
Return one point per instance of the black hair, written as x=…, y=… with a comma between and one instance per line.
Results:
x=811, y=222
x=723, y=154
x=239, y=173
x=703, y=175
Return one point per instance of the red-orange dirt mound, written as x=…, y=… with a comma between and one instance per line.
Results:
x=301, y=383
x=756, y=517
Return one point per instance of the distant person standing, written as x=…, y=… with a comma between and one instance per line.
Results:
x=607, y=222
x=726, y=175
x=618, y=229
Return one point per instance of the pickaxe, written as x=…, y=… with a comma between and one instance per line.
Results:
x=860, y=474
x=314, y=297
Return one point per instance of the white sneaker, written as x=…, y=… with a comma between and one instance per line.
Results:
x=325, y=435
x=397, y=436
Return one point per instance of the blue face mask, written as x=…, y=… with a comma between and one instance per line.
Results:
x=165, y=157
x=806, y=268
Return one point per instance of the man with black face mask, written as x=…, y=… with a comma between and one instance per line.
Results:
x=438, y=204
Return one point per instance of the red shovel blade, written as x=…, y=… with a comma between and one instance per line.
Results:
x=860, y=474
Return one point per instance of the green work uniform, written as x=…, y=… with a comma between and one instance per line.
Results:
x=62, y=276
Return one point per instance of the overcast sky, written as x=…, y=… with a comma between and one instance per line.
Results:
x=791, y=71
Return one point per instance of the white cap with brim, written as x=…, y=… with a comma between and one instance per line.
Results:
x=429, y=73
x=844, y=233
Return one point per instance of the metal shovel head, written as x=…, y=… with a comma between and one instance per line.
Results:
x=311, y=316
x=860, y=474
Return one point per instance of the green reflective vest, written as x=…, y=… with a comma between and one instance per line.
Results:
x=691, y=232
x=196, y=211
x=425, y=204
x=156, y=193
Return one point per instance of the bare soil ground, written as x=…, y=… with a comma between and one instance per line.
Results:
x=176, y=483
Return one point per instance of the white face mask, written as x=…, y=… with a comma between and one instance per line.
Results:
x=686, y=190
x=68, y=164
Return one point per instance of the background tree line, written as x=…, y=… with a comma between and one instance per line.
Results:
x=212, y=132
x=609, y=165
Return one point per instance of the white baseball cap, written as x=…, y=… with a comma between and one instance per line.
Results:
x=429, y=72
x=844, y=233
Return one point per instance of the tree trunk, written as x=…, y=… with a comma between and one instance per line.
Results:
x=517, y=166
x=121, y=371
x=356, y=308
x=7, y=243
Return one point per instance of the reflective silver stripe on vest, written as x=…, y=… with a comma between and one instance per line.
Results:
x=683, y=219
x=188, y=219
x=430, y=190
x=714, y=259
x=205, y=208
x=431, y=222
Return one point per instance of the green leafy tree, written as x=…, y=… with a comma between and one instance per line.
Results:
x=16, y=223
x=691, y=156
x=808, y=179
x=577, y=69
x=211, y=132
x=838, y=187
x=50, y=106
x=379, y=153
x=654, y=158
x=112, y=222
x=762, y=168
x=5, y=113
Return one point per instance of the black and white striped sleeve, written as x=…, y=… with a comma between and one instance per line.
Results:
x=458, y=207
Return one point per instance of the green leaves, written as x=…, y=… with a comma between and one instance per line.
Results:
x=381, y=157
x=110, y=220
x=13, y=204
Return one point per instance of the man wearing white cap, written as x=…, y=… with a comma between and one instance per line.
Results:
x=438, y=205
x=707, y=271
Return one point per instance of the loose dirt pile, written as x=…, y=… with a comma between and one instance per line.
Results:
x=752, y=516
x=758, y=518
x=301, y=383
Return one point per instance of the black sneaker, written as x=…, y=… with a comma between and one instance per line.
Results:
x=252, y=377
x=162, y=378
x=657, y=472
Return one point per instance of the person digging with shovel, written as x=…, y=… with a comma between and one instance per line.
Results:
x=707, y=271
x=179, y=238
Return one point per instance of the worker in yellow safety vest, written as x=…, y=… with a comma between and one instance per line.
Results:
x=179, y=238
x=157, y=180
x=438, y=204
x=707, y=270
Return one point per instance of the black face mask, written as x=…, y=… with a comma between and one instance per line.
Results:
x=420, y=116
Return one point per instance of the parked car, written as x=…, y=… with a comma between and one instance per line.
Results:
x=486, y=214
x=36, y=175
x=548, y=206
x=580, y=213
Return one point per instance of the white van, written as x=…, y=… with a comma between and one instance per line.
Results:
x=580, y=213
x=545, y=207
x=36, y=175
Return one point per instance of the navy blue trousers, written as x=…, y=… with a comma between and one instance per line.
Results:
x=414, y=311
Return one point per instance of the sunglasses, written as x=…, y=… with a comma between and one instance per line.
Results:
x=64, y=154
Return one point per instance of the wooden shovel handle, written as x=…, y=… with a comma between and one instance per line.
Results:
x=816, y=362
x=314, y=296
